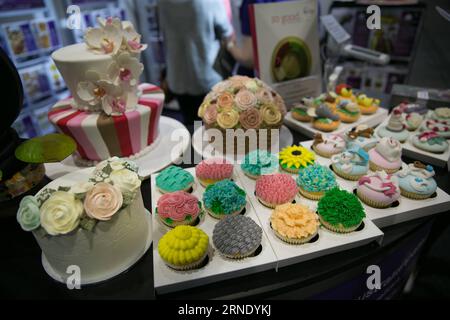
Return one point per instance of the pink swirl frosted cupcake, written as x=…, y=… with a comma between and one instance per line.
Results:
x=210, y=171
x=178, y=208
x=275, y=189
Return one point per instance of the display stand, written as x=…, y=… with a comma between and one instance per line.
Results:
x=437, y=159
x=307, y=129
x=407, y=209
x=274, y=252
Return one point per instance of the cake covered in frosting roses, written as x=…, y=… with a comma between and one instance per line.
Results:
x=243, y=103
x=97, y=222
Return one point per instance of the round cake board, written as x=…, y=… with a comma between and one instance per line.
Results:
x=85, y=281
x=174, y=140
x=286, y=139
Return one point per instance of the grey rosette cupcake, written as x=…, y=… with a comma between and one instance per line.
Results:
x=237, y=237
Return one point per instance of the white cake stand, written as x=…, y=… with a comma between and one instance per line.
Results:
x=62, y=277
x=286, y=139
x=174, y=140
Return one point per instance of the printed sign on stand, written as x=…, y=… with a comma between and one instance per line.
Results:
x=286, y=47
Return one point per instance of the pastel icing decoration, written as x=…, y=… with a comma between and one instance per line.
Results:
x=413, y=108
x=386, y=155
x=440, y=127
x=275, y=189
x=378, y=190
x=395, y=127
x=413, y=121
x=259, y=162
x=294, y=223
x=177, y=208
x=367, y=105
x=237, y=237
x=351, y=164
x=430, y=141
x=209, y=171
x=442, y=113
x=362, y=136
x=174, y=179
x=348, y=111
x=184, y=247
x=340, y=211
x=313, y=181
x=327, y=146
x=295, y=157
x=416, y=181
x=224, y=198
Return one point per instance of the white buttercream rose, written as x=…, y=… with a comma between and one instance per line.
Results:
x=61, y=213
x=128, y=183
x=80, y=188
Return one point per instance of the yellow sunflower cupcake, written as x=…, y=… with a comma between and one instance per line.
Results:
x=184, y=247
x=293, y=158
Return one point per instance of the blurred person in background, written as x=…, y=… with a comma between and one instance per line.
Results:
x=193, y=31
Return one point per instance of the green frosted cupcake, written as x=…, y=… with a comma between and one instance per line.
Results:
x=259, y=162
x=224, y=198
x=174, y=179
x=340, y=211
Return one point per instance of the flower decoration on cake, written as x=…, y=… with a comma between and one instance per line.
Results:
x=430, y=141
x=116, y=91
x=295, y=157
x=242, y=102
x=112, y=186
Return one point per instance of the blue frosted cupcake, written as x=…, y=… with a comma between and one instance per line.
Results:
x=259, y=162
x=351, y=164
x=313, y=181
x=416, y=181
x=174, y=179
x=223, y=199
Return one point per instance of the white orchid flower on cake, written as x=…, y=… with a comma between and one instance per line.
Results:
x=125, y=69
x=95, y=89
x=116, y=105
x=107, y=39
x=132, y=40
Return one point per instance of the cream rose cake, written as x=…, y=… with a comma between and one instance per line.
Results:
x=109, y=113
x=95, y=220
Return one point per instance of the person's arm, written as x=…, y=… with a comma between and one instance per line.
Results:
x=244, y=53
x=222, y=25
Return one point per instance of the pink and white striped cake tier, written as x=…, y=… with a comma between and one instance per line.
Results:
x=100, y=136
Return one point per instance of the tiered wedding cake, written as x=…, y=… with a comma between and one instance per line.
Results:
x=109, y=113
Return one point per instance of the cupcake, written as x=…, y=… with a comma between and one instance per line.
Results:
x=327, y=146
x=295, y=157
x=329, y=98
x=362, y=136
x=294, y=223
x=224, y=198
x=259, y=162
x=378, y=190
x=351, y=164
x=275, y=189
x=345, y=92
x=174, y=179
x=299, y=110
x=413, y=121
x=178, y=208
x=210, y=171
x=395, y=127
x=237, y=237
x=430, y=141
x=184, y=247
x=340, y=211
x=313, y=181
x=348, y=111
x=441, y=127
x=416, y=181
x=367, y=105
x=387, y=156
x=441, y=114
x=324, y=119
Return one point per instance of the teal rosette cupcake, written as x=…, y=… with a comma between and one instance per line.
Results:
x=28, y=215
x=313, y=181
x=259, y=162
x=223, y=199
x=174, y=179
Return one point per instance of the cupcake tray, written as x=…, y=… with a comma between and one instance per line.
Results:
x=326, y=243
x=218, y=268
x=307, y=129
x=437, y=159
x=407, y=209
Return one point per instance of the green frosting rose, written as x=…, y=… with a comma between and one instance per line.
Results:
x=28, y=214
x=341, y=207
